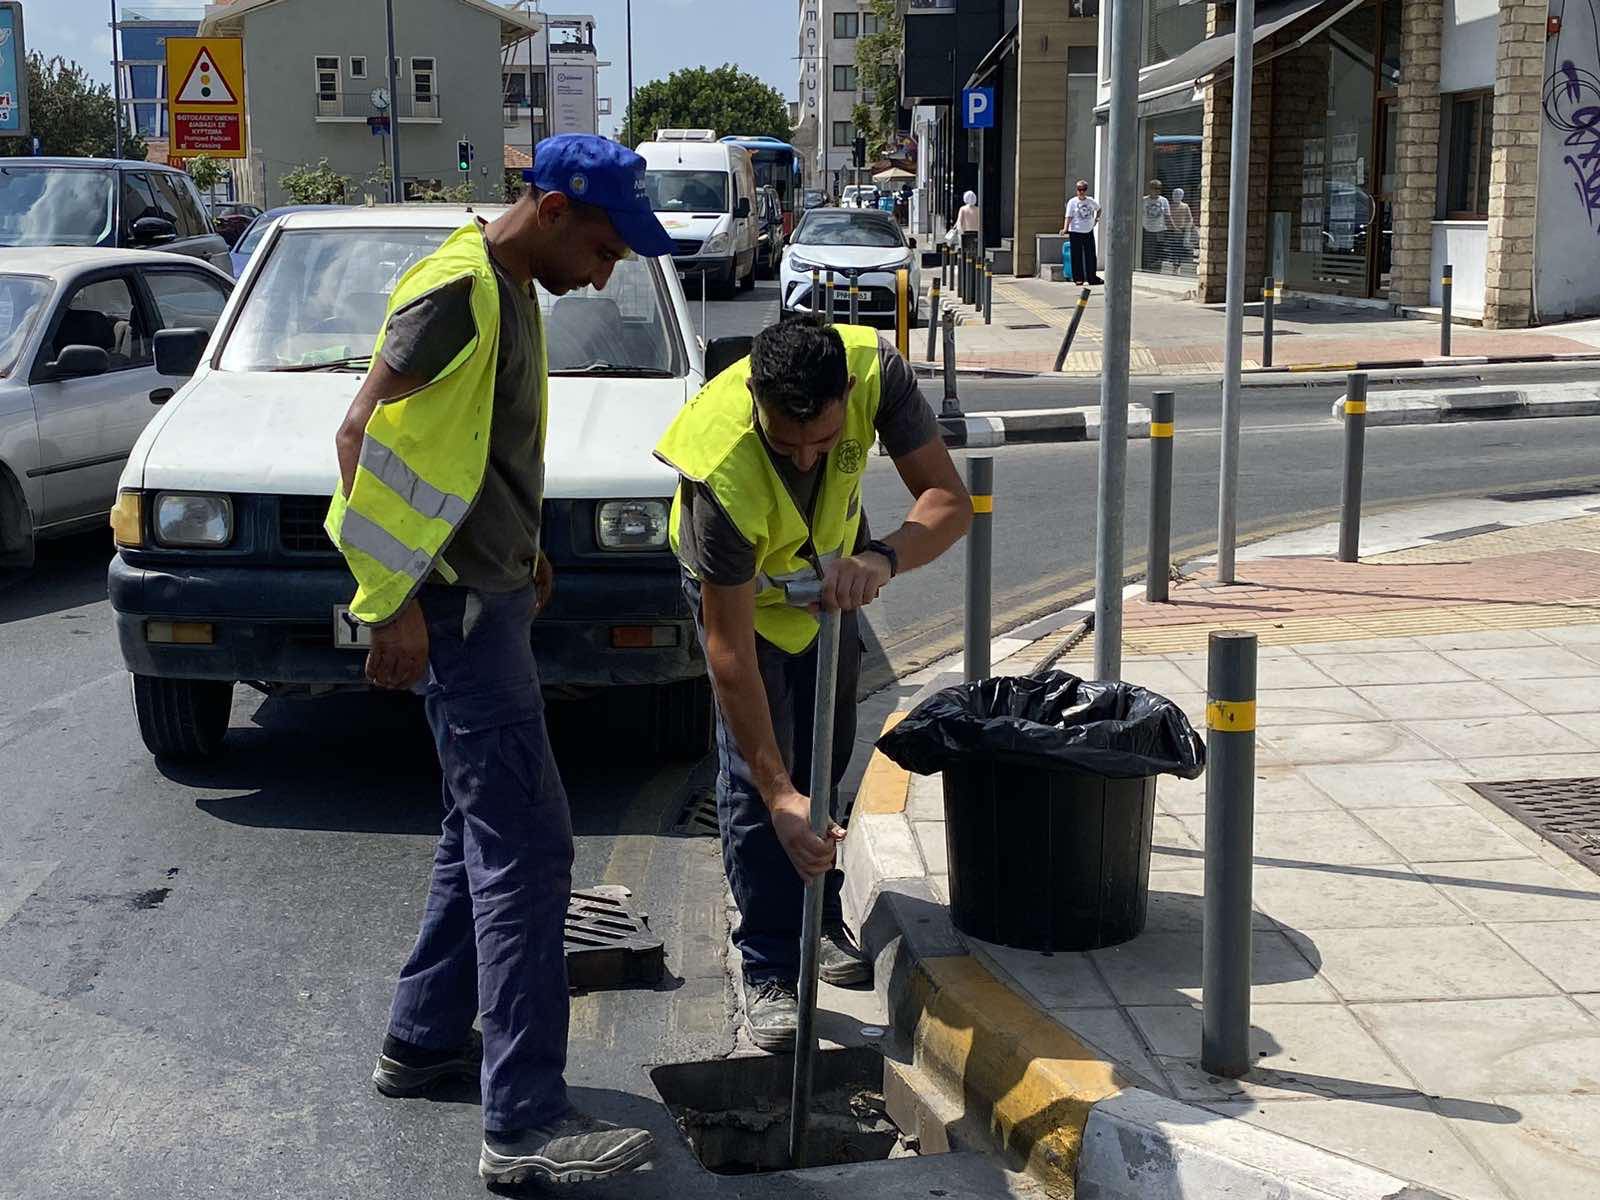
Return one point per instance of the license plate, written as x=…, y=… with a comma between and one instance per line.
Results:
x=349, y=633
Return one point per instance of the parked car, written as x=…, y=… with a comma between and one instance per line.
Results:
x=704, y=191
x=812, y=198
x=224, y=572
x=77, y=377
x=863, y=195
x=866, y=242
x=231, y=220
x=109, y=203
x=251, y=238
x=769, y=252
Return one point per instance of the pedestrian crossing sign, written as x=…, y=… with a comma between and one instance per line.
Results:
x=205, y=96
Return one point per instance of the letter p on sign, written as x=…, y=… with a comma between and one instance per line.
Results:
x=977, y=106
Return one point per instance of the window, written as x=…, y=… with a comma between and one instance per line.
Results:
x=176, y=191
x=427, y=100
x=844, y=133
x=104, y=314
x=1469, y=149
x=358, y=66
x=871, y=23
x=1171, y=27
x=846, y=24
x=846, y=79
x=140, y=198
x=514, y=86
x=186, y=299
x=327, y=77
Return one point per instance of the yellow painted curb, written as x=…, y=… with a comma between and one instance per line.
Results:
x=1013, y=1068
x=885, y=784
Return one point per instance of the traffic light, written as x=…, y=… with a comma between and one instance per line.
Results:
x=861, y=151
x=464, y=157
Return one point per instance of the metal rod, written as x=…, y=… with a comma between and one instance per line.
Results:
x=1355, y=453
x=629, y=134
x=805, y=1045
x=855, y=299
x=980, y=564
x=1446, y=283
x=933, y=318
x=816, y=290
x=1158, y=547
x=951, y=406
x=705, y=329
x=1230, y=848
x=116, y=79
x=944, y=265
x=904, y=304
x=1072, y=329
x=1123, y=156
x=961, y=273
x=397, y=191
x=1268, y=295
x=1244, y=16
x=988, y=293
x=828, y=298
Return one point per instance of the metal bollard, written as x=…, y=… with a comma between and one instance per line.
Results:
x=1072, y=329
x=944, y=266
x=827, y=300
x=951, y=407
x=1446, y=283
x=1269, y=293
x=904, y=303
x=855, y=300
x=1158, y=549
x=933, y=319
x=988, y=294
x=961, y=273
x=1230, y=850
x=816, y=291
x=980, y=564
x=1355, y=452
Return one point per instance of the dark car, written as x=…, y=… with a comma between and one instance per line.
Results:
x=769, y=243
x=111, y=203
x=231, y=220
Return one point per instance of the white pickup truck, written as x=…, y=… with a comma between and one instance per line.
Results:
x=223, y=573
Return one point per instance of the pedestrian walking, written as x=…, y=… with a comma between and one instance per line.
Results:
x=969, y=225
x=1182, y=250
x=1156, y=218
x=441, y=460
x=770, y=493
x=1083, y=214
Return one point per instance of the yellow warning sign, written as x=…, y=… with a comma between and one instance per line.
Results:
x=205, y=96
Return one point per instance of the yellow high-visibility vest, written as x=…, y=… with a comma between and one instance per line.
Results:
x=424, y=454
x=714, y=441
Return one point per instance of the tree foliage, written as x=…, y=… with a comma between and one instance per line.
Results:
x=207, y=172
x=878, y=66
x=726, y=99
x=319, y=184
x=73, y=116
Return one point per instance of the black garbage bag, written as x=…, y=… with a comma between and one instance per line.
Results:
x=1049, y=719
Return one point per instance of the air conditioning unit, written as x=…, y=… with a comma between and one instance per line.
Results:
x=686, y=135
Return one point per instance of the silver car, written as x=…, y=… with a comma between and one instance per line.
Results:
x=77, y=376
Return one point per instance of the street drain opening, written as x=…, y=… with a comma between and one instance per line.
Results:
x=734, y=1112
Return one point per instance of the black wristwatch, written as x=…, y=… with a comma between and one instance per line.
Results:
x=887, y=551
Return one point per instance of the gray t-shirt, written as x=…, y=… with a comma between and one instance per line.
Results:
x=711, y=547
x=497, y=546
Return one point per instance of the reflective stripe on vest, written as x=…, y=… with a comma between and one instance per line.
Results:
x=427, y=500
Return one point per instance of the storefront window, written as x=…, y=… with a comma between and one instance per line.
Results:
x=1169, y=185
x=1171, y=27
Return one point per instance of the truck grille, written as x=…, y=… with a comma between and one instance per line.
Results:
x=300, y=525
x=686, y=246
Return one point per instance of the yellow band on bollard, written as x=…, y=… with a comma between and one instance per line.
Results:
x=983, y=504
x=1355, y=407
x=1268, y=294
x=1446, y=281
x=1083, y=302
x=1160, y=429
x=1231, y=716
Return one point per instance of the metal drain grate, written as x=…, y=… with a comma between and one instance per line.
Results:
x=608, y=942
x=1565, y=812
x=698, y=817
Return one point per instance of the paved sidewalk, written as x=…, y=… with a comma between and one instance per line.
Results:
x=1427, y=968
x=1172, y=336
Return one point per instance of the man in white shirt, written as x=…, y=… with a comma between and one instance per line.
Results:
x=1083, y=214
x=1156, y=216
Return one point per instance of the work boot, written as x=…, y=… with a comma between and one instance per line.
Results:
x=405, y=1070
x=839, y=961
x=574, y=1149
x=771, y=1010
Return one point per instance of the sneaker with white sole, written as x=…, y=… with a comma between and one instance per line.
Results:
x=575, y=1149
x=839, y=961
x=405, y=1071
x=771, y=1012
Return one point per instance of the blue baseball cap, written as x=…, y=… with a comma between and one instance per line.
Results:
x=606, y=174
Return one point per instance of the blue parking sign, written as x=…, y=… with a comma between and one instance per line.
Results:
x=977, y=108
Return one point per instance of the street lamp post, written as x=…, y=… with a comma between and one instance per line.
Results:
x=116, y=76
x=396, y=188
x=628, y=128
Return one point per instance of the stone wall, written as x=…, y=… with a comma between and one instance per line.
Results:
x=1417, y=152
x=1215, y=187
x=1514, y=169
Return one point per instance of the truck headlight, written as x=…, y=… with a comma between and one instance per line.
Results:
x=632, y=524
x=718, y=243
x=193, y=519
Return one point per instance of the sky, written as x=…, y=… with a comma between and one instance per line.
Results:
x=667, y=35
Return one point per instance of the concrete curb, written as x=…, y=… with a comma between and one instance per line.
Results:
x=1487, y=403
x=1454, y=360
x=1009, y=427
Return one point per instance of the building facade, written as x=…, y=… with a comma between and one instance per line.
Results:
x=141, y=66
x=1389, y=139
x=448, y=87
x=830, y=88
x=534, y=109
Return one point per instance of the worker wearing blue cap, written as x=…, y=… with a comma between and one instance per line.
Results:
x=441, y=461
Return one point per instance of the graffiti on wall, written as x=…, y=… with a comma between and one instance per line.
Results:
x=1572, y=106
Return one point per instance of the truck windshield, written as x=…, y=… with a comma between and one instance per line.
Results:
x=22, y=299
x=688, y=191
x=322, y=294
x=55, y=206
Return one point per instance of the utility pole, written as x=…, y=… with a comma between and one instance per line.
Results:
x=397, y=191
x=628, y=128
x=1244, y=28
x=116, y=75
x=1122, y=209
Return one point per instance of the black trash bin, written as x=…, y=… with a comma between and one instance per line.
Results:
x=1050, y=793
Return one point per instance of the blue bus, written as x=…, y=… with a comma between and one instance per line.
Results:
x=776, y=163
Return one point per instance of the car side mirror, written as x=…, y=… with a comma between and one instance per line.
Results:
x=723, y=352
x=76, y=362
x=150, y=231
x=179, y=351
x=912, y=242
x=742, y=209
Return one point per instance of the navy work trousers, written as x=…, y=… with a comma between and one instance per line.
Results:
x=491, y=939
x=766, y=887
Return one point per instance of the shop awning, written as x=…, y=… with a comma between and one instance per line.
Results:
x=991, y=61
x=1177, y=78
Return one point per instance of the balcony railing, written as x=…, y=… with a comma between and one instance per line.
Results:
x=358, y=106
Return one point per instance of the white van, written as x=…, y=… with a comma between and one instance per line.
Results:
x=704, y=192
